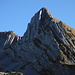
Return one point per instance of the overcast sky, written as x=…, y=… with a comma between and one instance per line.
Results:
x=16, y=14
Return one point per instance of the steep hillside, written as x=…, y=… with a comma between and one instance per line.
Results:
x=46, y=48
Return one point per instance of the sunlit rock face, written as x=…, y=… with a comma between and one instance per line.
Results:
x=46, y=48
x=8, y=38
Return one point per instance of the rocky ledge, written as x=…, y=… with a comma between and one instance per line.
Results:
x=46, y=48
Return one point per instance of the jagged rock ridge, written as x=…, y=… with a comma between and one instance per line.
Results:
x=47, y=48
x=8, y=38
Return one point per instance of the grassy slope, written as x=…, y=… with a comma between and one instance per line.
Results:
x=70, y=35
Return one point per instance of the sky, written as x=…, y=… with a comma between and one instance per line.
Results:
x=16, y=14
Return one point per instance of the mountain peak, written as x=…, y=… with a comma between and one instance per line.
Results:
x=44, y=8
x=7, y=38
x=44, y=11
x=46, y=46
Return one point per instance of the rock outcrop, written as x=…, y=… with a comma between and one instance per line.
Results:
x=8, y=38
x=46, y=48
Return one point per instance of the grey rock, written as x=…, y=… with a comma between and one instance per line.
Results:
x=44, y=49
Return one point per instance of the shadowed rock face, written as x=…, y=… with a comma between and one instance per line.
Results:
x=46, y=48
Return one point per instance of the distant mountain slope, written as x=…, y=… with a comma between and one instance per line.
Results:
x=46, y=48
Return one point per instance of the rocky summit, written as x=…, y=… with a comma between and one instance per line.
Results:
x=46, y=48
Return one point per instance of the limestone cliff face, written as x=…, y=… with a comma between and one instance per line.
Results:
x=46, y=48
x=7, y=38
